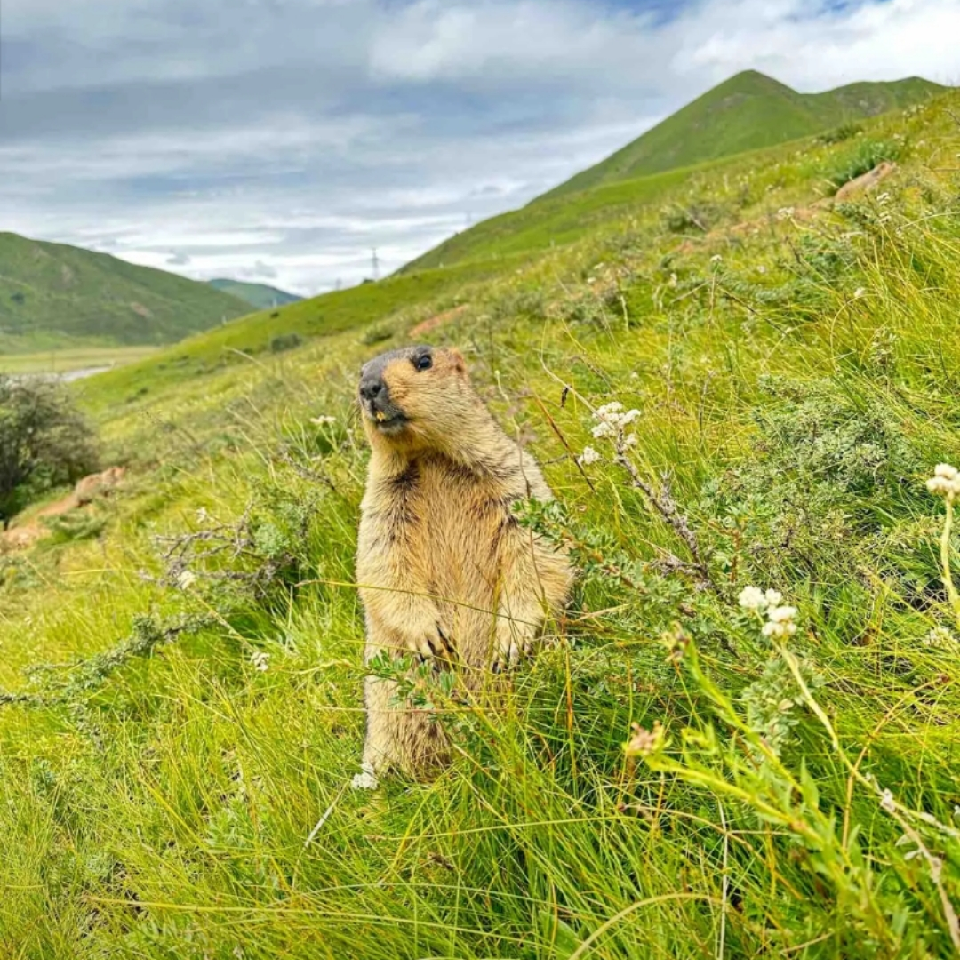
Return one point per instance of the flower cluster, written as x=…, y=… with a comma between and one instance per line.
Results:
x=945, y=481
x=612, y=424
x=260, y=660
x=780, y=622
x=612, y=420
x=940, y=638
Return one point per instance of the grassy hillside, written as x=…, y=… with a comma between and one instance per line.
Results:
x=181, y=708
x=57, y=296
x=258, y=295
x=746, y=112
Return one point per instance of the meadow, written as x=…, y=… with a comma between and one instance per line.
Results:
x=696, y=768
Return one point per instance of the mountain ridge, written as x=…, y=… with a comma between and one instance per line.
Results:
x=56, y=295
x=747, y=111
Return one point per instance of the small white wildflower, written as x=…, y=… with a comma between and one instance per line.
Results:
x=752, y=598
x=603, y=430
x=322, y=421
x=589, y=456
x=886, y=801
x=202, y=515
x=672, y=282
x=634, y=375
x=883, y=198
x=630, y=440
x=186, y=579
x=945, y=481
x=260, y=660
x=779, y=630
x=716, y=258
x=858, y=293
x=608, y=410
x=940, y=638
x=773, y=597
x=781, y=614
x=591, y=280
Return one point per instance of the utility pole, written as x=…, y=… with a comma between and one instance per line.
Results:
x=376, y=265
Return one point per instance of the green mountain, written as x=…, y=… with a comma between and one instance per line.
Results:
x=725, y=127
x=748, y=111
x=54, y=295
x=258, y=295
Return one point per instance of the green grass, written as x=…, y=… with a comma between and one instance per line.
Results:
x=746, y=112
x=259, y=295
x=67, y=361
x=797, y=377
x=54, y=296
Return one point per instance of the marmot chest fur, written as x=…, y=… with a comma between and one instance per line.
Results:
x=443, y=567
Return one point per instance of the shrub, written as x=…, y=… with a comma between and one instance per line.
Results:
x=44, y=442
x=285, y=341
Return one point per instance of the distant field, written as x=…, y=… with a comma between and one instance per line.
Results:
x=68, y=361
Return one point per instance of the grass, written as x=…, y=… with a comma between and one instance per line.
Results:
x=68, y=361
x=796, y=369
x=747, y=112
x=54, y=296
x=260, y=296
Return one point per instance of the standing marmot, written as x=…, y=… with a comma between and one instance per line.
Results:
x=444, y=569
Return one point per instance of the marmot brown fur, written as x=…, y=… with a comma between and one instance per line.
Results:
x=444, y=570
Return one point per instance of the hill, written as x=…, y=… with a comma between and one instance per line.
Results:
x=694, y=767
x=53, y=295
x=724, y=128
x=746, y=112
x=261, y=296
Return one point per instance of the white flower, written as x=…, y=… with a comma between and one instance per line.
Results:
x=752, y=598
x=781, y=614
x=260, y=660
x=603, y=430
x=589, y=456
x=773, y=597
x=716, y=258
x=945, y=481
x=322, y=421
x=886, y=801
x=630, y=440
x=779, y=630
x=608, y=410
x=858, y=293
x=186, y=579
x=202, y=515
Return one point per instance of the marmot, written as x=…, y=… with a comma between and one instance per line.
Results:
x=445, y=571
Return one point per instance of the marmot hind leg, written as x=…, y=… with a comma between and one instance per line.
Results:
x=399, y=736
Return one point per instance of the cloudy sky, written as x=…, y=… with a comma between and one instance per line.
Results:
x=280, y=140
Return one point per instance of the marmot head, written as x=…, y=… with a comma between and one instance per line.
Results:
x=415, y=398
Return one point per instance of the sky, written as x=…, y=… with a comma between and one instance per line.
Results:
x=280, y=141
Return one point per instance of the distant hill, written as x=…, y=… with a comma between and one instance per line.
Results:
x=53, y=295
x=748, y=111
x=259, y=295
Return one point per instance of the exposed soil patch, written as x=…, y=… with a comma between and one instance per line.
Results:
x=438, y=320
x=91, y=488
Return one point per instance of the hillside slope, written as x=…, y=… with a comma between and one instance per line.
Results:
x=748, y=111
x=742, y=741
x=260, y=296
x=55, y=295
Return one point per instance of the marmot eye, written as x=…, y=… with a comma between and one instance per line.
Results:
x=423, y=362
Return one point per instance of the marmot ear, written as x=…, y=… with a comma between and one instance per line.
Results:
x=456, y=357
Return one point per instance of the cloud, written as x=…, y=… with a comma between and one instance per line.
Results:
x=285, y=138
